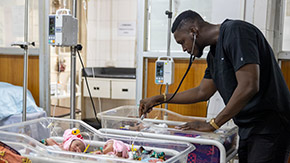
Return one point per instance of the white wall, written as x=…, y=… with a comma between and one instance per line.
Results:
x=106, y=45
x=230, y=9
x=213, y=11
x=261, y=13
x=286, y=31
x=12, y=22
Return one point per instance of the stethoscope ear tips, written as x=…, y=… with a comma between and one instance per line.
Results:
x=194, y=36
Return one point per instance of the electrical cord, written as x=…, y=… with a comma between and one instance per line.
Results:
x=78, y=48
x=160, y=91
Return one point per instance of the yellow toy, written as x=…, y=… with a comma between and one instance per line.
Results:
x=75, y=131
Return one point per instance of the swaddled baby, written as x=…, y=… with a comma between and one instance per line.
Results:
x=72, y=141
x=115, y=148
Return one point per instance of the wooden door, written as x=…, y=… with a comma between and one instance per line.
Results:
x=11, y=71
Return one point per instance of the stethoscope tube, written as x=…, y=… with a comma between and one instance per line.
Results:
x=192, y=58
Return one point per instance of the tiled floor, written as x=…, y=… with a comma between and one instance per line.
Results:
x=63, y=112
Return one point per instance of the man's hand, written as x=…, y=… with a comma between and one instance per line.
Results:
x=198, y=125
x=147, y=103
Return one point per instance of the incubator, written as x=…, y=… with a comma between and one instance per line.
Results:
x=218, y=146
x=30, y=148
x=25, y=138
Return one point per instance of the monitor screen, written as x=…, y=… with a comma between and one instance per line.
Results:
x=51, y=25
x=159, y=69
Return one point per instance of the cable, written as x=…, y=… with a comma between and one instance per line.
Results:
x=79, y=47
x=56, y=95
x=100, y=104
x=160, y=92
x=190, y=63
x=56, y=90
x=93, y=72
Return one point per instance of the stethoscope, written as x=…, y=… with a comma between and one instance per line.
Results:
x=192, y=57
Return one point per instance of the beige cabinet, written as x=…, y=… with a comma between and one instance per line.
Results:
x=99, y=87
x=111, y=88
x=123, y=89
x=107, y=93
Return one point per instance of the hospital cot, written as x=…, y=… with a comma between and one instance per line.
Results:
x=26, y=136
x=219, y=146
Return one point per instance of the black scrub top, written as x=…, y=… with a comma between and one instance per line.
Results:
x=241, y=43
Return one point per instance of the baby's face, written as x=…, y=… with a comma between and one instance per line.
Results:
x=77, y=146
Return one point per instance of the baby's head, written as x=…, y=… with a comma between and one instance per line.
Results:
x=77, y=146
x=73, y=141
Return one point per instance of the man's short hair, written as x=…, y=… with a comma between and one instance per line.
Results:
x=184, y=17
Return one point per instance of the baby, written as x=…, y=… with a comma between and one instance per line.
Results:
x=72, y=141
x=115, y=148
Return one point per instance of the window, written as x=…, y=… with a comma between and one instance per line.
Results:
x=213, y=11
x=12, y=22
x=111, y=33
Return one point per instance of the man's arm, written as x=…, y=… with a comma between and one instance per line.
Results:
x=201, y=93
x=248, y=78
x=248, y=85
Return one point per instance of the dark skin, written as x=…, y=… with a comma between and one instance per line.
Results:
x=247, y=77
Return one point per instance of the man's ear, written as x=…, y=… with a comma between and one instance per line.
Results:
x=194, y=30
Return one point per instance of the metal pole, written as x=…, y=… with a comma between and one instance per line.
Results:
x=245, y=9
x=73, y=83
x=25, y=68
x=140, y=49
x=74, y=8
x=145, y=78
x=73, y=73
x=169, y=13
x=44, y=57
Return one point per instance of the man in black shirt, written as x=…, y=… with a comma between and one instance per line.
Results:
x=243, y=69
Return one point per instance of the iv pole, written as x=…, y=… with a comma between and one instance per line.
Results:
x=24, y=45
x=73, y=72
x=169, y=15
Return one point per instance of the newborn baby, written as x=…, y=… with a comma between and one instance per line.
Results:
x=72, y=141
x=115, y=148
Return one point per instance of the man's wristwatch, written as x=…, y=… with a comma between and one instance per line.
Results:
x=213, y=124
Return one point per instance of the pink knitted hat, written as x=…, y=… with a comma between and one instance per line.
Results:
x=68, y=137
x=119, y=146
